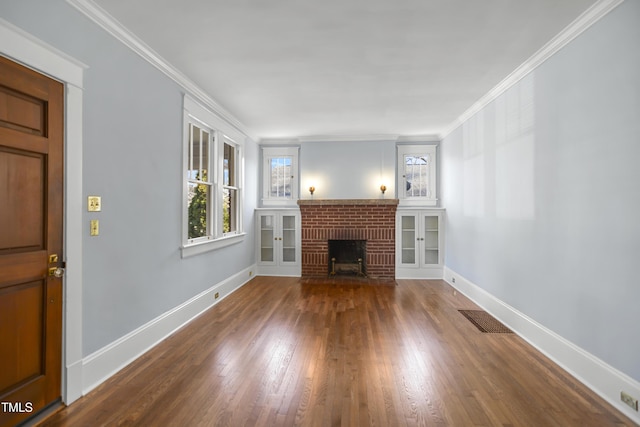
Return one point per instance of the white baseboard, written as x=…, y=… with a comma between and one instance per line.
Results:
x=603, y=379
x=99, y=366
x=418, y=273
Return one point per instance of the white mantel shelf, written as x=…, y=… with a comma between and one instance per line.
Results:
x=321, y=202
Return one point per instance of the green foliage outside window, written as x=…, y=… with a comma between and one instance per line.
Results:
x=198, y=203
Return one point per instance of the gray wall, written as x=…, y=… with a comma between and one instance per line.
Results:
x=347, y=170
x=133, y=271
x=542, y=198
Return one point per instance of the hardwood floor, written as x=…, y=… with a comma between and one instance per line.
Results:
x=287, y=351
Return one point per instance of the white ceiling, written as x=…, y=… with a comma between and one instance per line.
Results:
x=296, y=68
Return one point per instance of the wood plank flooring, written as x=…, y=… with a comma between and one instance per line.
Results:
x=289, y=351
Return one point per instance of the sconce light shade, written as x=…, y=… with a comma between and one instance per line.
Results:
x=312, y=189
x=383, y=188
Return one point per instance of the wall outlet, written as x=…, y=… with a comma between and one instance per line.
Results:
x=629, y=400
x=94, y=227
x=453, y=280
x=217, y=294
x=250, y=273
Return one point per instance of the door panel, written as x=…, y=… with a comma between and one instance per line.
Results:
x=31, y=202
x=21, y=322
x=24, y=192
x=22, y=112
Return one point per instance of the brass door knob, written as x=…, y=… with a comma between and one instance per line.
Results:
x=56, y=272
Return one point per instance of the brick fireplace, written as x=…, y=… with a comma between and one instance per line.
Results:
x=371, y=220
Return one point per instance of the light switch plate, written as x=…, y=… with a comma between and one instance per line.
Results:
x=94, y=203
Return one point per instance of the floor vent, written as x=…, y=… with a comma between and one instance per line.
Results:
x=485, y=322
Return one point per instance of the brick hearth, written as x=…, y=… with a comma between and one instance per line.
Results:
x=352, y=219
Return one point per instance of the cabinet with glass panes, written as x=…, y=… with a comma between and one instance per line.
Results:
x=279, y=242
x=419, y=243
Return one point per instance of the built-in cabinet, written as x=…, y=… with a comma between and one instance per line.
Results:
x=279, y=242
x=419, y=243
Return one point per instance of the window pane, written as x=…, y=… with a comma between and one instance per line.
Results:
x=229, y=166
x=229, y=209
x=416, y=175
x=204, y=165
x=280, y=185
x=198, y=202
x=194, y=153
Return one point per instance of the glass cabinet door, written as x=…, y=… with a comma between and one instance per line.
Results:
x=267, y=238
x=408, y=239
x=288, y=238
x=431, y=242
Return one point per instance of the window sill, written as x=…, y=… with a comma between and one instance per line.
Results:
x=418, y=202
x=211, y=245
x=293, y=202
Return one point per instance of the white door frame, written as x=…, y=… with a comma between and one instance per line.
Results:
x=33, y=53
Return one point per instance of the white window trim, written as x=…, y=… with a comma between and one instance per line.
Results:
x=419, y=150
x=197, y=114
x=272, y=152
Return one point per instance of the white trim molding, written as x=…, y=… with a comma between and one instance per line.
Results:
x=603, y=379
x=107, y=22
x=573, y=30
x=400, y=139
x=22, y=47
x=33, y=53
x=106, y=362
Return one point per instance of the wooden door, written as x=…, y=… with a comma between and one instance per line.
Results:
x=31, y=203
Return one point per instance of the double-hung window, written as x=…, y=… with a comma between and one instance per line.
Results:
x=199, y=184
x=212, y=202
x=230, y=188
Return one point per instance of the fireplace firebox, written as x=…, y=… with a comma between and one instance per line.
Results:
x=347, y=257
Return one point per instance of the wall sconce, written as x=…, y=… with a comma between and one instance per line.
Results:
x=312, y=189
x=383, y=188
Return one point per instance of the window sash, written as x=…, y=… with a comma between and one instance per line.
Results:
x=416, y=179
x=279, y=176
x=230, y=203
x=199, y=185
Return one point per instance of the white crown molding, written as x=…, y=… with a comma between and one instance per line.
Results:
x=573, y=30
x=351, y=138
x=120, y=32
x=418, y=138
x=348, y=138
x=279, y=141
